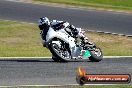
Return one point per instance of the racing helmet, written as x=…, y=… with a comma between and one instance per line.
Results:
x=44, y=23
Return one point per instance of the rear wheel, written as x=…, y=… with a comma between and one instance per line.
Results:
x=96, y=55
x=60, y=52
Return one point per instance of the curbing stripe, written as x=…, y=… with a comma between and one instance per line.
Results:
x=109, y=33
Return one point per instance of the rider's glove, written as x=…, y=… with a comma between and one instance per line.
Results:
x=75, y=33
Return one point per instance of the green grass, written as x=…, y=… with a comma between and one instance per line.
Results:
x=113, y=4
x=112, y=44
x=19, y=39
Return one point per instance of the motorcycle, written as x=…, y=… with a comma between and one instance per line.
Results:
x=65, y=48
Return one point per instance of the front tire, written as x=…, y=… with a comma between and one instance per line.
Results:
x=96, y=55
x=58, y=55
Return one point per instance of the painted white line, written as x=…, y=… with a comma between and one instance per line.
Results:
x=117, y=56
x=59, y=85
x=51, y=57
x=23, y=57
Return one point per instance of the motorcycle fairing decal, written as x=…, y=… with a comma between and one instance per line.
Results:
x=86, y=53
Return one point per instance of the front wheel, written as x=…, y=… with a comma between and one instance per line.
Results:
x=61, y=53
x=96, y=55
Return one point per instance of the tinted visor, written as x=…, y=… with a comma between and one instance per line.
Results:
x=45, y=26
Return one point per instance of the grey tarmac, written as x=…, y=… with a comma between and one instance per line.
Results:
x=88, y=19
x=43, y=71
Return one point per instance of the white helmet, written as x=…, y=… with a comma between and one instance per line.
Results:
x=44, y=23
x=44, y=20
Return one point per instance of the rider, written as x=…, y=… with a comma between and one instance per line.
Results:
x=44, y=25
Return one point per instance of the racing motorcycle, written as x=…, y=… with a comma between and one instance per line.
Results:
x=65, y=48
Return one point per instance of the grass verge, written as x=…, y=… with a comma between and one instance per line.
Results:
x=19, y=39
x=105, y=4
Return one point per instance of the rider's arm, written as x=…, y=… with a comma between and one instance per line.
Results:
x=73, y=30
x=57, y=24
x=77, y=32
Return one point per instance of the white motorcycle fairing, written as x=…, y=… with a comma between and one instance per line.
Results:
x=64, y=36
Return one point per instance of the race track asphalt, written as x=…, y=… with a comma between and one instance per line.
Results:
x=43, y=71
x=115, y=22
